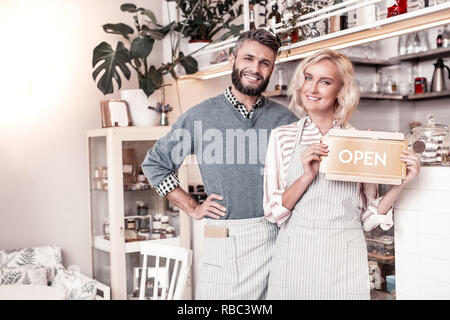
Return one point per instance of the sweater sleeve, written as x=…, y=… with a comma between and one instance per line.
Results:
x=273, y=185
x=167, y=155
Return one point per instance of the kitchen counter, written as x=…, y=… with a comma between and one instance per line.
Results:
x=422, y=236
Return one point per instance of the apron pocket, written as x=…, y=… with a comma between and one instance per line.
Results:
x=219, y=263
x=358, y=282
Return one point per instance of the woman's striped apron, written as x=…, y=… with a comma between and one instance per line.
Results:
x=321, y=251
x=237, y=267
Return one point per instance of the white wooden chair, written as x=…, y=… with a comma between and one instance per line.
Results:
x=173, y=289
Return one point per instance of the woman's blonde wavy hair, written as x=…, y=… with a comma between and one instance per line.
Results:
x=348, y=96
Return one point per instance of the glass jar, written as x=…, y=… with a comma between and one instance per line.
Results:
x=445, y=150
x=282, y=81
x=390, y=86
x=402, y=44
x=428, y=141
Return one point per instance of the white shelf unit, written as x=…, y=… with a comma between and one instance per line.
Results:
x=102, y=244
x=111, y=258
x=371, y=31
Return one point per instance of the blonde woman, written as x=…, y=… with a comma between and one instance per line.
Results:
x=321, y=251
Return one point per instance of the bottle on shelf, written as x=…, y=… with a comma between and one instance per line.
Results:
x=402, y=44
x=381, y=10
x=390, y=87
x=274, y=16
x=338, y=22
x=282, y=82
x=252, y=17
x=439, y=39
x=288, y=15
x=352, y=19
x=423, y=35
x=413, y=5
x=446, y=37
x=400, y=7
x=366, y=15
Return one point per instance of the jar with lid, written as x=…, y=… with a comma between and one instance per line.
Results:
x=428, y=141
x=446, y=151
x=164, y=222
x=130, y=223
x=144, y=222
x=390, y=86
x=170, y=232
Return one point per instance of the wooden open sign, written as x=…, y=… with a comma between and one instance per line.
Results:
x=364, y=156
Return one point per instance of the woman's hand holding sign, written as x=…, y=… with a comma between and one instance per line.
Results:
x=311, y=159
x=412, y=165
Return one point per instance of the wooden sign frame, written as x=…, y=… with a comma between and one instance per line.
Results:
x=364, y=156
x=115, y=113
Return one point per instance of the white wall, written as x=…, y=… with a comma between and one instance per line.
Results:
x=422, y=237
x=49, y=100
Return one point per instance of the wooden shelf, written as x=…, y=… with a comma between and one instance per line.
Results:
x=372, y=96
x=429, y=95
x=373, y=62
x=430, y=54
x=382, y=96
x=380, y=258
x=102, y=244
x=275, y=93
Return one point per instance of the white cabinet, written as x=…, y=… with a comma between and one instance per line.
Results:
x=115, y=155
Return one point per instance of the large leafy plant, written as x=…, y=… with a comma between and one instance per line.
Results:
x=203, y=19
x=136, y=55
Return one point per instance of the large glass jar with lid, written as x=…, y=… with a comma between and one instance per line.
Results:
x=428, y=141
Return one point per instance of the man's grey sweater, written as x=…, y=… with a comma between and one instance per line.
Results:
x=230, y=149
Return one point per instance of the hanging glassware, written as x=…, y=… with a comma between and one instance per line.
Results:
x=410, y=43
x=402, y=44
x=423, y=35
x=417, y=44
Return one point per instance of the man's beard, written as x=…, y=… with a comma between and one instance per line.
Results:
x=236, y=77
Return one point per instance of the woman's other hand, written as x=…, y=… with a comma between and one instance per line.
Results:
x=311, y=159
x=412, y=165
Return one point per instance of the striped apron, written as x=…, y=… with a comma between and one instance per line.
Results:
x=321, y=251
x=237, y=267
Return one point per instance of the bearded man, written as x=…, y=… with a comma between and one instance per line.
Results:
x=228, y=134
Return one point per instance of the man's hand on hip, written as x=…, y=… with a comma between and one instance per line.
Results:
x=209, y=208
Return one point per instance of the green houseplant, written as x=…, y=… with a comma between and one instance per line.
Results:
x=203, y=19
x=136, y=55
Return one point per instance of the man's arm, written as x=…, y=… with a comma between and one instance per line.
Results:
x=197, y=211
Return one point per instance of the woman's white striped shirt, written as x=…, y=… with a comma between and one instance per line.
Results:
x=279, y=151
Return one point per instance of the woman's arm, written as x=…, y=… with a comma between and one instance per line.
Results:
x=273, y=182
x=413, y=168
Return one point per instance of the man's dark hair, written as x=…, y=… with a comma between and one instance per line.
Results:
x=261, y=36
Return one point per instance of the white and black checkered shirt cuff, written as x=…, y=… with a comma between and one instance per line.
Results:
x=168, y=185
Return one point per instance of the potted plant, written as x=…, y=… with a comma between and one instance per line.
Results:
x=203, y=19
x=135, y=54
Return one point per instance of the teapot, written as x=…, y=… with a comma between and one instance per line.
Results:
x=438, y=81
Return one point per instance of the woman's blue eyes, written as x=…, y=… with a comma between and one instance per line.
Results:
x=323, y=82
